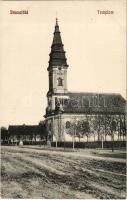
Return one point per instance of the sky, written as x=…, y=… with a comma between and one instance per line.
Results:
x=94, y=44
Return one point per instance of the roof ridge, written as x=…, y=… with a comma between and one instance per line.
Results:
x=80, y=92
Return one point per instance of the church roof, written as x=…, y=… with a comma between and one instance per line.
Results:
x=57, y=55
x=94, y=103
x=26, y=129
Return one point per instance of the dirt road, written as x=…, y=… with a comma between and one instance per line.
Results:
x=38, y=173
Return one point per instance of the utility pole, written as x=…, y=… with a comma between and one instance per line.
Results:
x=103, y=132
x=74, y=133
x=102, y=146
x=112, y=140
x=74, y=138
x=53, y=130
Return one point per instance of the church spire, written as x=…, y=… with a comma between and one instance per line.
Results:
x=57, y=55
x=56, y=21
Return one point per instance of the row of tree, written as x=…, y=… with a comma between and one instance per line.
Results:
x=102, y=126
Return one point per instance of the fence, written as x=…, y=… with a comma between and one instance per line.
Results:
x=7, y=143
x=97, y=144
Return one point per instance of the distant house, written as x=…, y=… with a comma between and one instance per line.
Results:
x=27, y=133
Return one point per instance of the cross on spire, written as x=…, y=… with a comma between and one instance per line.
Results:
x=56, y=21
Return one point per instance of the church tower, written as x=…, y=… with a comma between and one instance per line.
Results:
x=57, y=70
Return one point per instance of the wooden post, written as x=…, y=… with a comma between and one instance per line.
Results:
x=102, y=141
x=56, y=132
x=64, y=142
x=53, y=133
x=56, y=143
x=74, y=139
x=112, y=141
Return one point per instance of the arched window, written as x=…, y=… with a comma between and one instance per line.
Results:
x=60, y=81
x=68, y=124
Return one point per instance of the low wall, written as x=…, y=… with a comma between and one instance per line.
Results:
x=97, y=144
x=24, y=143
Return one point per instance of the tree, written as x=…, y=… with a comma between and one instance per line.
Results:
x=4, y=134
x=79, y=130
x=97, y=125
x=107, y=126
x=86, y=129
x=74, y=130
x=43, y=131
x=123, y=127
x=113, y=129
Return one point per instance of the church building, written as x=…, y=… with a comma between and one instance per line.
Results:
x=84, y=116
